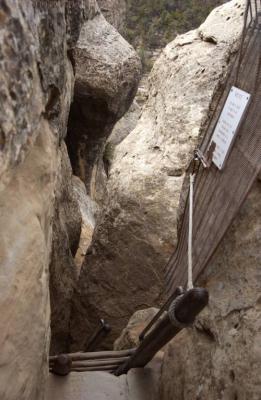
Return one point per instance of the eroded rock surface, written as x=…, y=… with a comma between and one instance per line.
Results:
x=129, y=337
x=138, y=227
x=115, y=12
x=220, y=358
x=125, y=125
x=36, y=80
x=37, y=44
x=107, y=74
x=88, y=209
x=67, y=223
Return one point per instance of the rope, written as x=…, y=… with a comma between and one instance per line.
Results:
x=190, y=268
x=172, y=315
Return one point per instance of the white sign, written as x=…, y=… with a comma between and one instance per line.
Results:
x=228, y=124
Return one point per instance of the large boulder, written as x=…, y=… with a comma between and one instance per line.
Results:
x=220, y=357
x=107, y=72
x=137, y=231
x=129, y=337
x=115, y=12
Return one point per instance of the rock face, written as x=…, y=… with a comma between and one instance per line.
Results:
x=37, y=45
x=26, y=212
x=115, y=12
x=129, y=337
x=107, y=74
x=220, y=358
x=88, y=209
x=125, y=125
x=36, y=81
x=66, y=236
x=138, y=227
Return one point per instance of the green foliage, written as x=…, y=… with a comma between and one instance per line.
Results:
x=152, y=24
x=145, y=59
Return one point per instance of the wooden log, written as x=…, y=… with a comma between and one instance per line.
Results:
x=109, y=369
x=189, y=306
x=156, y=318
x=62, y=365
x=98, y=336
x=102, y=361
x=95, y=355
x=99, y=363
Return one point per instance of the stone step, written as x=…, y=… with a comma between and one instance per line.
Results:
x=144, y=383
x=138, y=384
x=87, y=386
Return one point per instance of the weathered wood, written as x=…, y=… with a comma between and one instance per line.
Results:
x=99, y=363
x=95, y=362
x=98, y=336
x=188, y=307
x=155, y=319
x=96, y=355
x=63, y=364
x=92, y=369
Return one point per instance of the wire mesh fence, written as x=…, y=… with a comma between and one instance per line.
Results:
x=218, y=195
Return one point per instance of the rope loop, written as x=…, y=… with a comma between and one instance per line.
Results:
x=172, y=314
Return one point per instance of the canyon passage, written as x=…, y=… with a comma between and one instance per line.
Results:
x=111, y=198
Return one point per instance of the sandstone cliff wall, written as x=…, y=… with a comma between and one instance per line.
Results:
x=220, y=358
x=36, y=78
x=38, y=69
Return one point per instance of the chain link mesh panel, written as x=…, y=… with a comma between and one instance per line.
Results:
x=218, y=195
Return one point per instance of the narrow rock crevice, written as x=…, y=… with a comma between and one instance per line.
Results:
x=106, y=74
x=137, y=228
x=89, y=220
x=90, y=123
